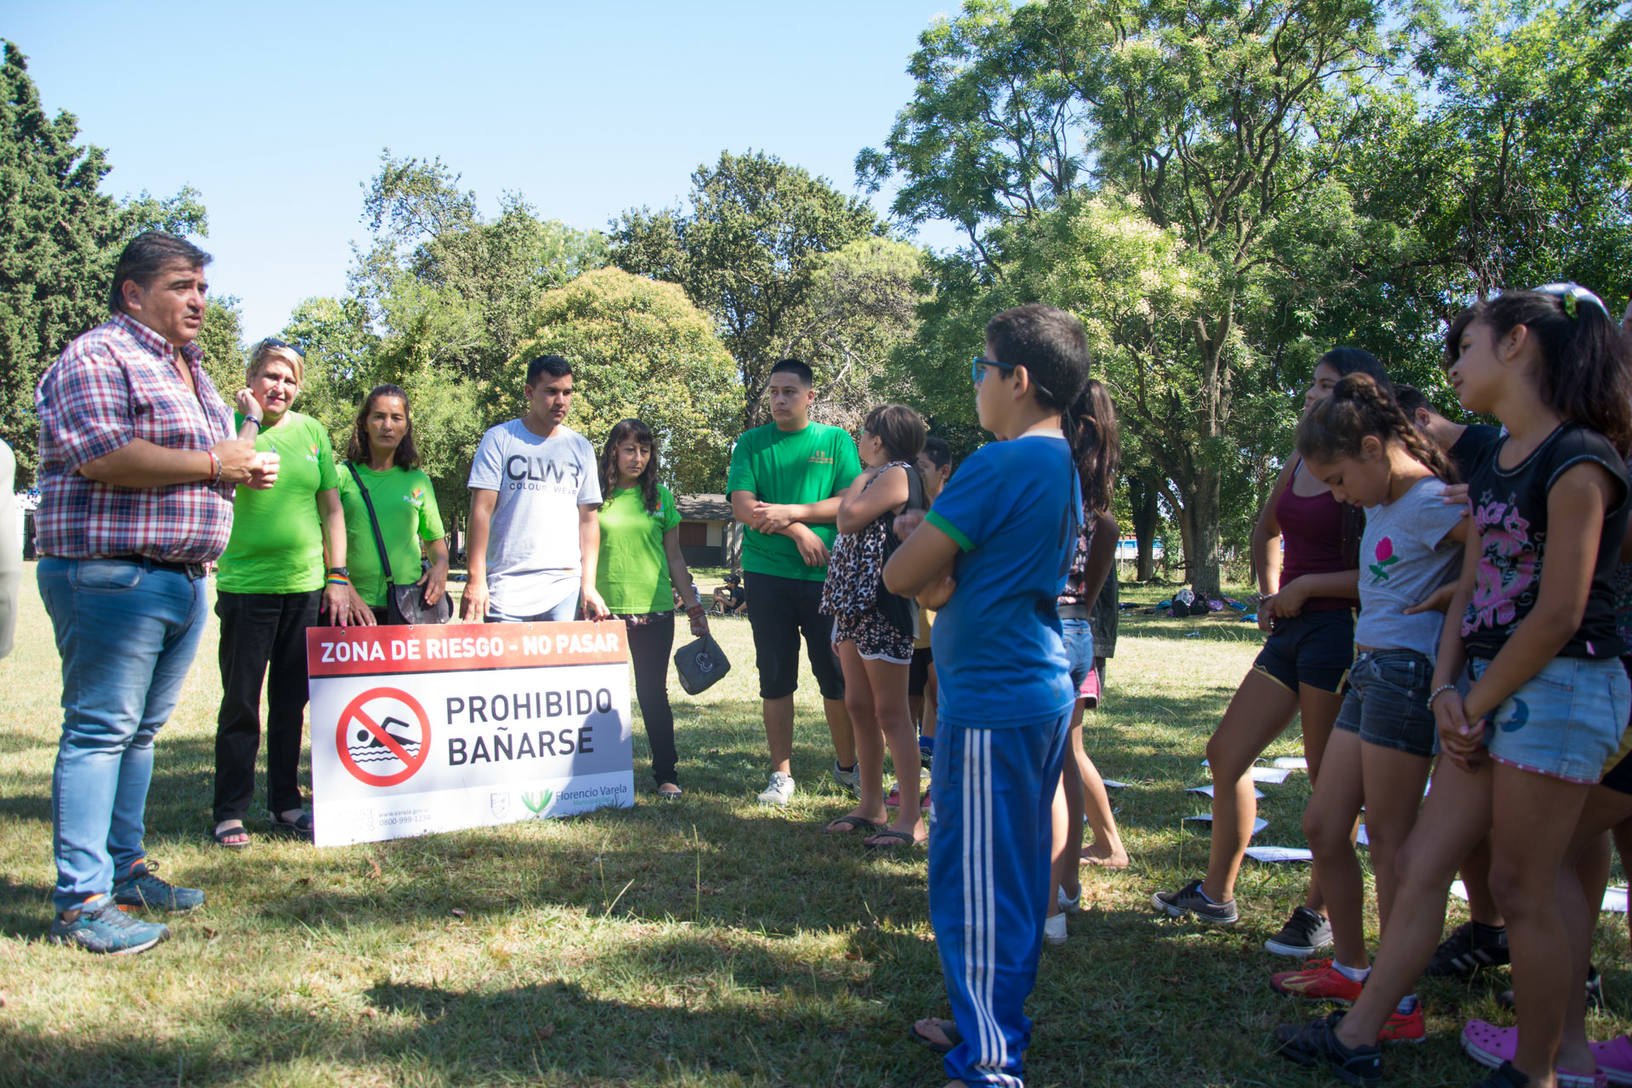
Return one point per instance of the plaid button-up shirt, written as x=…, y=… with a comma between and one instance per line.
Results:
x=116, y=383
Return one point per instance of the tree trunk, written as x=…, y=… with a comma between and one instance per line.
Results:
x=1142, y=497
x=1200, y=517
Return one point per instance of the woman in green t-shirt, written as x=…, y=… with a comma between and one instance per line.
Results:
x=381, y=457
x=272, y=586
x=639, y=572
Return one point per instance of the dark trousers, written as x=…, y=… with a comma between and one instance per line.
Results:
x=261, y=633
x=649, y=645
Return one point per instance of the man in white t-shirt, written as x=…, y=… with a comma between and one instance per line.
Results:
x=534, y=495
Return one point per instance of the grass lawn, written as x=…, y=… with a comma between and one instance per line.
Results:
x=710, y=942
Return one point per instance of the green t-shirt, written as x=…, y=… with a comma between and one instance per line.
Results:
x=405, y=504
x=632, y=574
x=277, y=537
x=795, y=467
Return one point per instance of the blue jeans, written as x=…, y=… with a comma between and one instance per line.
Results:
x=126, y=634
x=563, y=611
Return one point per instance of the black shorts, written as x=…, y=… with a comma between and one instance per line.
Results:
x=779, y=611
x=918, y=671
x=1314, y=648
x=1619, y=775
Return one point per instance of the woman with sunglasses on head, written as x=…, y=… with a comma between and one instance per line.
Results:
x=383, y=462
x=1307, y=608
x=272, y=585
x=638, y=575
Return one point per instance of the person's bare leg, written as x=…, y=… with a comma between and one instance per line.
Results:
x=1475, y=873
x=1318, y=710
x=1590, y=849
x=1259, y=711
x=887, y=684
x=1106, y=849
x=1327, y=822
x=1622, y=834
x=1393, y=786
x=926, y=724
x=1067, y=821
x=868, y=742
x=779, y=732
x=1455, y=816
x=1534, y=817
x=840, y=729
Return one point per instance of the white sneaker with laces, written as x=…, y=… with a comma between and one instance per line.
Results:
x=1054, y=928
x=1070, y=903
x=779, y=792
x=851, y=779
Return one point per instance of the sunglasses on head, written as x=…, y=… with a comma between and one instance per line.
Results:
x=1570, y=294
x=274, y=342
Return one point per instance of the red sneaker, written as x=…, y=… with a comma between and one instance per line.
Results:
x=1404, y=1027
x=1318, y=981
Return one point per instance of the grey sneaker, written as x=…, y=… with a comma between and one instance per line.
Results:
x=851, y=779
x=1304, y=934
x=1190, y=900
x=100, y=926
x=141, y=888
x=779, y=792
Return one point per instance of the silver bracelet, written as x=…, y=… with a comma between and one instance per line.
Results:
x=1436, y=693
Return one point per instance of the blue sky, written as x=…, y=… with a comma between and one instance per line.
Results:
x=277, y=113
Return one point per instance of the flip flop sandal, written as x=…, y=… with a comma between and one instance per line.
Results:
x=891, y=839
x=301, y=825
x=1492, y=1046
x=846, y=825
x=232, y=838
x=947, y=1028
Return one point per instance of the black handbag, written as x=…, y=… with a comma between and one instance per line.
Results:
x=699, y=664
x=403, y=604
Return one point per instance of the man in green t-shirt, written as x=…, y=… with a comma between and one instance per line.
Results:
x=784, y=487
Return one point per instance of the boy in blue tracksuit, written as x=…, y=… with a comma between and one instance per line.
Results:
x=996, y=548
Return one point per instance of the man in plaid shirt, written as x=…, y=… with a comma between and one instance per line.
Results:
x=137, y=469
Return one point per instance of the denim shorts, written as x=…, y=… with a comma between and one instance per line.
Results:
x=1079, y=648
x=1387, y=703
x=1564, y=722
x=1314, y=648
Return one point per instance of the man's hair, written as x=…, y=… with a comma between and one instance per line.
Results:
x=553, y=365
x=1050, y=344
x=1410, y=398
x=938, y=452
x=145, y=256
x=797, y=369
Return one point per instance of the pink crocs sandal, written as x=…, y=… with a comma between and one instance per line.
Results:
x=1614, y=1059
x=1490, y=1046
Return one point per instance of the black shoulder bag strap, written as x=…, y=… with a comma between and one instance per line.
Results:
x=374, y=523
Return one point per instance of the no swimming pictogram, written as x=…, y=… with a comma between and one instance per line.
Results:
x=383, y=737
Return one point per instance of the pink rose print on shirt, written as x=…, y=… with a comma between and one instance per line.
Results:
x=1507, y=567
x=1385, y=556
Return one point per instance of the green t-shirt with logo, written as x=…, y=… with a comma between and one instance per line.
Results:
x=796, y=467
x=632, y=574
x=277, y=537
x=405, y=505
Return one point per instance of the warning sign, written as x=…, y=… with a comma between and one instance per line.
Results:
x=424, y=729
x=383, y=737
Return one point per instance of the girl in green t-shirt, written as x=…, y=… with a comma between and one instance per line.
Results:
x=639, y=571
x=381, y=450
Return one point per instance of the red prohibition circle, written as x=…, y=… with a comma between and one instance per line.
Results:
x=353, y=715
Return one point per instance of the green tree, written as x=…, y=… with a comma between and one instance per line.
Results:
x=746, y=253
x=221, y=338
x=639, y=348
x=1220, y=127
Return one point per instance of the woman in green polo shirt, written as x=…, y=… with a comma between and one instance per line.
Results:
x=639, y=571
x=271, y=586
x=382, y=457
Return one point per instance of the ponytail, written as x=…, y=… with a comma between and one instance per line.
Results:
x=1358, y=407
x=1090, y=426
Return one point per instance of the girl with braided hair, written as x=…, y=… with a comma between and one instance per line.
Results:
x=1370, y=454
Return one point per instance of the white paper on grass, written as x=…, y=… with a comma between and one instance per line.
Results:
x=1206, y=818
x=1292, y=763
x=1207, y=791
x=1279, y=853
x=1113, y=784
x=1273, y=775
x=1614, y=897
x=1361, y=837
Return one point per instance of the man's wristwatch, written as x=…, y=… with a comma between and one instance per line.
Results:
x=341, y=571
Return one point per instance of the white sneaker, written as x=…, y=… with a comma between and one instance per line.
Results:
x=851, y=779
x=1069, y=903
x=779, y=792
x=1054, y=928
